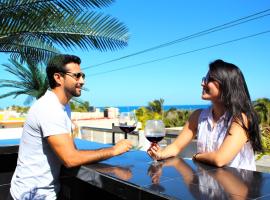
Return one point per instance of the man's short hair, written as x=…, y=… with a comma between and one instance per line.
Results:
x=58, y=64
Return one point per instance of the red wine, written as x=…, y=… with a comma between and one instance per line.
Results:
x=127, y=129
x=154, y=139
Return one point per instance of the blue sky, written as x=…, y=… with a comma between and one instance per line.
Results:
x=177, y=80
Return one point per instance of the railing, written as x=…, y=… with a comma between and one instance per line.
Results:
x=106, y=135
x=112, y=135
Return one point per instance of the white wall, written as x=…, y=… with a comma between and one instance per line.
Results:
x=10, y=133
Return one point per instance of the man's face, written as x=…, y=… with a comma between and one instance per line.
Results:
x=74, y=80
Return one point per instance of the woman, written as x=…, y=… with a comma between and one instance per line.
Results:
x=228, y=131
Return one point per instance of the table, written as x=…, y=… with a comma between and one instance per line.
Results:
x=9, y=146
x=8, y=160
x=131, y=176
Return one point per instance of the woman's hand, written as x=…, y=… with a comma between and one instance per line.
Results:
x=155, y=151
x=155, y=171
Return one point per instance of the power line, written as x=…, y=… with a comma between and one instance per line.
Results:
x=180, y=54
x=198, y=34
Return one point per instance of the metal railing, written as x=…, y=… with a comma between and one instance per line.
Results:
x=101, y=134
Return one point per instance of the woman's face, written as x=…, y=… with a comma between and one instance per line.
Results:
x=210, y=89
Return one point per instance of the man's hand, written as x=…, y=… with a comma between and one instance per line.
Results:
x=122, y=146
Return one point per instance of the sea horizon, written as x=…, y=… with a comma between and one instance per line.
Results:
x=165, y=107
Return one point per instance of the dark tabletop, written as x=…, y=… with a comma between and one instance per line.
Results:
x=132, y=176
x=9, y=146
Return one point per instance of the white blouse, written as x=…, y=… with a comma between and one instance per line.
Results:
x=209, y=138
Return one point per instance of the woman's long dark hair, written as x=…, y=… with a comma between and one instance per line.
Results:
x=236, y=98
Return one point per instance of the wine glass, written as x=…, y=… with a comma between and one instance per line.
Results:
x=127, y=122
x=154, y=132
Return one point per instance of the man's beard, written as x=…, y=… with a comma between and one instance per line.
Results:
x=76, y=94
x=73, y=92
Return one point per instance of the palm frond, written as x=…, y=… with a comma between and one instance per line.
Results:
x=23, y=45
x=14, y=93
x=31, y=80
x=81, y=29
x=24, y=74
x=31, y=28
x=64, y=4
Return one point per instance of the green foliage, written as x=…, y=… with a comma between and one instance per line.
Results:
x=33, y=30
x=156, y=106
x=265, y=131
x=171, y=118
x=266, y=139
x=20, y=109
x=77, y=105
x=262, y=107
x=176, y=118
x=143, y=114
x=31, y=80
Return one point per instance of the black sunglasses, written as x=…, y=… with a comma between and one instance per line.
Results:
x=207, y=79
x=76, y=76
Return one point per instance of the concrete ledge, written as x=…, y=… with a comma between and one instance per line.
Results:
x=263, y=164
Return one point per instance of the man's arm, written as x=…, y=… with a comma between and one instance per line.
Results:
x=66, y=151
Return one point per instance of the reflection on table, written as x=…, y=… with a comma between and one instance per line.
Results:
x=220, y=183
x=130, y=176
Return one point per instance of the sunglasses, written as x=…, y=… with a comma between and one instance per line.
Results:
x=207, y=79
x=76, y=76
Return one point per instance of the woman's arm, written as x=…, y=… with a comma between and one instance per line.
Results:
x=181, y=166
x=183, y=139
x=234, y=141
x=231, y=183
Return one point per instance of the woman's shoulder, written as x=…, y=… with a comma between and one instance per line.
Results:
x=194, y=117
x=241, y=122
x=201, y=112
x=198, y=115
x=197, y=112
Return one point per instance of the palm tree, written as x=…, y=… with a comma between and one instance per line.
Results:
x=31, y=81
x=78, y=105
x=156, y=106
x=175, y=118
x=154, y=110
x=30, y=29
x=262, y=107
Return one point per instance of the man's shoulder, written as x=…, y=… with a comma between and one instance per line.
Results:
x=46, y=101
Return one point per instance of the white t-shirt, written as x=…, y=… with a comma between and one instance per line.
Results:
x=209, y=138
x=37, y=172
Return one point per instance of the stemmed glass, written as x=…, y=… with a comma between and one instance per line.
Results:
x=127, y=121
x=154, y=132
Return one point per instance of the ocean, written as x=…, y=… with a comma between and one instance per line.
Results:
x=165, y=107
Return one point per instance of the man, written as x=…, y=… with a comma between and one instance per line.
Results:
x=46, y=142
